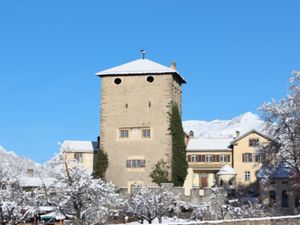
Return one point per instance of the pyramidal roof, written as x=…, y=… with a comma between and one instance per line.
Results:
x=139, y=67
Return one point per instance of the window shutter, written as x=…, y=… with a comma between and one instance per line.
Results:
x=217, y=158
x=202, y=158
x=213, y=158
x=243, y=157
x=143, y=163
x=189, y=158
x=228, y=158
x=198, y=158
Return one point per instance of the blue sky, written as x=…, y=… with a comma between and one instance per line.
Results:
x=235, y=55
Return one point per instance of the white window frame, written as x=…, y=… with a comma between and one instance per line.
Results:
x=193, y=158
x=78, y=156
x=122, y=133
x=223, y=157
x=247, y=175
x=135, y=163
x=146, y=133
x=208, y=158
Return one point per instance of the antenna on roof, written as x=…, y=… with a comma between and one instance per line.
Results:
x=143, y=53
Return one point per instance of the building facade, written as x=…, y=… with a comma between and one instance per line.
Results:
x=81, y=152
x=233, y=163
x=136, y=100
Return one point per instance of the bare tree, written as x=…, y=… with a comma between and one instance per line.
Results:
x=283, y=118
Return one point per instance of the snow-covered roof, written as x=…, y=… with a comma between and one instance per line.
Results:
x=36, y=181
x=79, y=146
x=211, y=144
x=250, y=132
x=140, y=66
x=226, y=170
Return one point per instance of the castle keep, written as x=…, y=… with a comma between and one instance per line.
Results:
x=136, y=100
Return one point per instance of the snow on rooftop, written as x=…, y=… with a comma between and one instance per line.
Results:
x=203, y=144
x=79, y=146
x=140, y=66
x=226, y=170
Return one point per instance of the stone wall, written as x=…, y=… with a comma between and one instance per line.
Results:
x=283, y=220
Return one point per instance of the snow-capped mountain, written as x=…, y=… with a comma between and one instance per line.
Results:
x=20, y=165
x=224, y=128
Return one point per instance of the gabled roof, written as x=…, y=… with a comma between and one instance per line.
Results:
x=211, y=144
x=79, y=146
x=140, y=67
x=250, y=132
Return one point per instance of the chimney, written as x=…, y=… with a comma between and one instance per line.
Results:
x=237, y=134
x=173, y=65
x=98, y=142
x=191, y=134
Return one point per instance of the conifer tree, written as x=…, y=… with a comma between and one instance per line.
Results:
x=160, y=172
x=101, y=164
x=179, y=164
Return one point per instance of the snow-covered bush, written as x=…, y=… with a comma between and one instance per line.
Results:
x=148, y=204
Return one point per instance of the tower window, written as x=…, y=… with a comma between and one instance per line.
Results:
x=135, y=163
x=150, y=79
x=118, y=81
x=146, y=133
x=124, y=133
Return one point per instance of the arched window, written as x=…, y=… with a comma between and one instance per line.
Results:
x=284, y=199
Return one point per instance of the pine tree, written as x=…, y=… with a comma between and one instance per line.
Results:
x=160, y=173
x=179, y=163
x=101, y=164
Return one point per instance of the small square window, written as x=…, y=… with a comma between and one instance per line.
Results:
x=146, y=133
x=124, y=133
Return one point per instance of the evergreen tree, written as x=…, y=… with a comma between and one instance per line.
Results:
x=160, y=172
x=179, y=163
x=101, y=164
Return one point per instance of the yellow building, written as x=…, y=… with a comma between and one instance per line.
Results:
x=230, y=162
x=81, y=152
x=246, y=160
x=206, y=157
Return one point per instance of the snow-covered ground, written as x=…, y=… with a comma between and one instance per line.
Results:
x=224, y=128
x=173, y=221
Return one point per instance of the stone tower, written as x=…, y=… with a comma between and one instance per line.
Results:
x=136, y=100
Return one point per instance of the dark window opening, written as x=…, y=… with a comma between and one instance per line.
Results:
x=118, y=81
x=150, y=79
x=284, y=199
